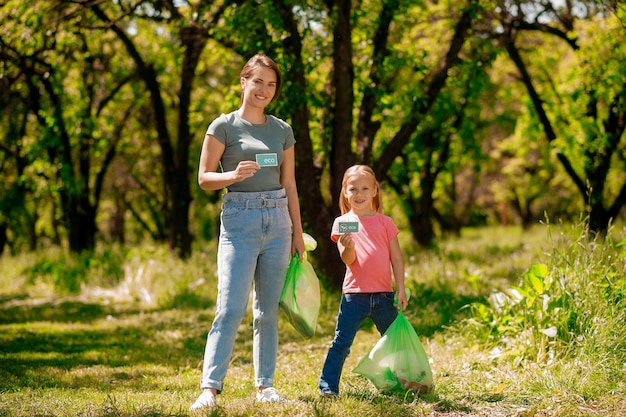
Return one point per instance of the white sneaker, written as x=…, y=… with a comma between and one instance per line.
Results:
x=205, y=400
x=269, y=395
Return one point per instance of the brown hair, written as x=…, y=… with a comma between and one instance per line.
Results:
x=365, y=171
x=260, y=60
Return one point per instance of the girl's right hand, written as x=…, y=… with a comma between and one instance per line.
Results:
x=347, y=241
x=345, y=244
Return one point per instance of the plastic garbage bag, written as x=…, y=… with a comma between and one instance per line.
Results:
x=309, y=243
x=300, y=299
x=398, y=361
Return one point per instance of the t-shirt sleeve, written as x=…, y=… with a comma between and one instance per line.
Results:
x=219, y=129
x=290, y=140
x=391, y=228
x=334, y=232
x=285, y=131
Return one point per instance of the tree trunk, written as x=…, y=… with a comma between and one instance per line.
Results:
x=317, y=215
x=342, y=157
x=117, y=225
x=3, y=236
x=81, y=224
x=176, y=186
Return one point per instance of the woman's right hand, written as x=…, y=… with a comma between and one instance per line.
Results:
x=245, y=170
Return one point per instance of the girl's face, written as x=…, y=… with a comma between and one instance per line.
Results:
x=260, y=88
x=360, y=192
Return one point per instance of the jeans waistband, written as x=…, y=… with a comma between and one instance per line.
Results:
x=256, y=199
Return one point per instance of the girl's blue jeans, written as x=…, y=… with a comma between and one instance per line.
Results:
x=253, y=252
x=353, y=311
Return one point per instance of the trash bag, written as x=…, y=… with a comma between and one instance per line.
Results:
x=398, y=361
x=309, y=242
x=300, y=299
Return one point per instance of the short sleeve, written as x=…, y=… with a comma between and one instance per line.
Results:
x=391, y=228
x=334, y=232
x=219, y=129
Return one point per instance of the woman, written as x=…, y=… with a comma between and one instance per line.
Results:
x=260, y=226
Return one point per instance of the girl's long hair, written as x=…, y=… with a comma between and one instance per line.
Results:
x=260, y=60
x=360, y=170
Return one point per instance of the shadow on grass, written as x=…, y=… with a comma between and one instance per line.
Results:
x=77, y=344
x=431, y=308
x=399, y=404
x=19, y=309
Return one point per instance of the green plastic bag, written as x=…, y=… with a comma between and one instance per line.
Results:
x=300, y=299
x=398, y=361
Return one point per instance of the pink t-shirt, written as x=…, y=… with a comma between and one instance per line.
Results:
x=371, y=270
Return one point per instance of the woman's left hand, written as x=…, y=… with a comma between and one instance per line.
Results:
x=297, y=245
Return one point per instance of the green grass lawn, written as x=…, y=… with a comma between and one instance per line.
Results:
x=130, y=343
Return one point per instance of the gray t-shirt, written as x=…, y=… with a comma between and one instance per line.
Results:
x=244, y=141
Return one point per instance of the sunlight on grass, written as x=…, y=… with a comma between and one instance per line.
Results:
x=129, y=342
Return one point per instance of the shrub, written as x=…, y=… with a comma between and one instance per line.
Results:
x=563, y=307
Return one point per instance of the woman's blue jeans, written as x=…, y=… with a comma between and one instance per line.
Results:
x=253, y=252
x=353, y=311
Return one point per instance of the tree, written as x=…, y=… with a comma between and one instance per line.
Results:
x=583, y=122
x=69, y=104
x=322, y=158
x=183, y=31
x=174, y=160
x=397, y=85
x=447, y=141
x=384, y=76
x=14, y=214
x=288, y=32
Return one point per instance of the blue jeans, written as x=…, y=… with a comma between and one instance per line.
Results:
x=353, y=311
x=253, y=252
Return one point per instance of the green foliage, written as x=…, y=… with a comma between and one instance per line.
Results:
x=559, y=308
x=76, y=88
x=67, y=273
x=130, y=343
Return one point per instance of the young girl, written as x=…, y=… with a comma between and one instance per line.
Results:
x=368, y=244
x=260, y=226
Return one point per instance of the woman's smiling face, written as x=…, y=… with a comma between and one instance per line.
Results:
x=260, y=88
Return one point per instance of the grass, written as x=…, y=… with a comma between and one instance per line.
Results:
x=125, y=337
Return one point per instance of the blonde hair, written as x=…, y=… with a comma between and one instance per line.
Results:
x=260, y=60
x=365, y=171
